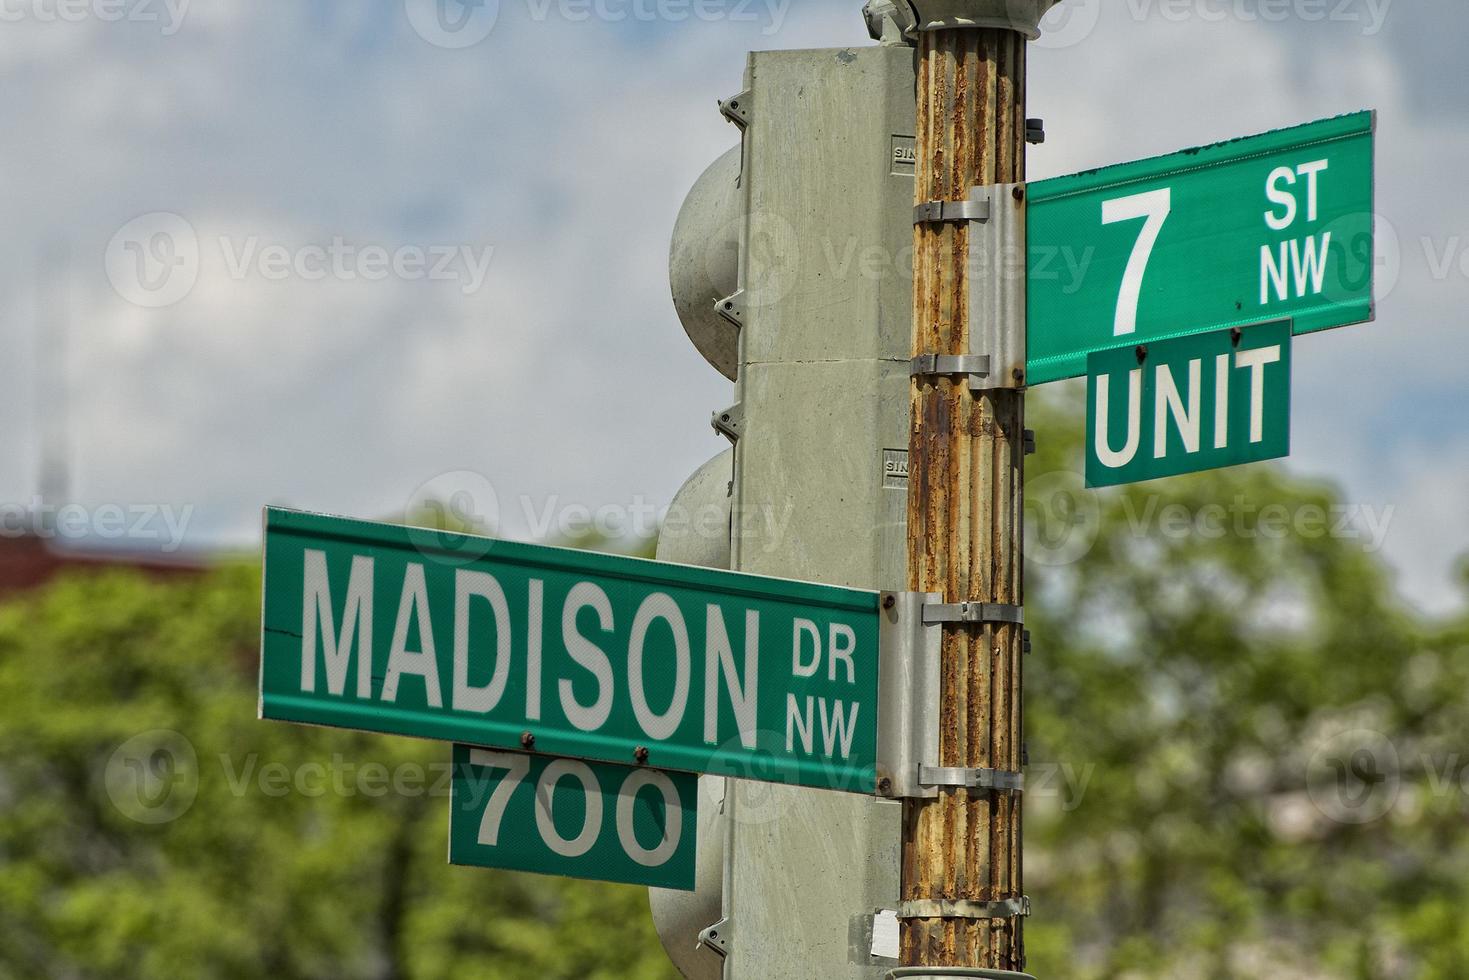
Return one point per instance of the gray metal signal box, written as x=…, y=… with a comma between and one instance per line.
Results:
x=817, y=234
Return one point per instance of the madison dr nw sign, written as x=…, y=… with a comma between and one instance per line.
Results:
x=1275, y=228
x=620, y=662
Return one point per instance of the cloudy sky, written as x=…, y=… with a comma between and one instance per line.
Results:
x=338, y=256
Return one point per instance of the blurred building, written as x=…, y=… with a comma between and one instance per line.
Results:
x=31, y=560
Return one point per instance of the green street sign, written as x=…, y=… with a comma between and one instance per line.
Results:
x=1266, y=228
x=1195, y=403
x=566, y=817
x=467, y=639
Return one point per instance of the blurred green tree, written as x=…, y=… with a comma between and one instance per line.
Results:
x=1243, y=745
x=256, y=849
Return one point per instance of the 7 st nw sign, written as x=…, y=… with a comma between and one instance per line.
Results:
x=494, y=643
x=1266, y=228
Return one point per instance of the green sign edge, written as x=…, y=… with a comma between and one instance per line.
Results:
x=1334, y=129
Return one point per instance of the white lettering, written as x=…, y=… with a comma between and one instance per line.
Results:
x=719, y=655
x=659, y=605
x=401, y=660
x=336, y=650
x=467, y=585
x=1256, y=360
x=1280, y=198
x=800, y=668
x=591, y=717
x=1169, y=401
x=841, y=651
x=1105, y=455
x=796, y=725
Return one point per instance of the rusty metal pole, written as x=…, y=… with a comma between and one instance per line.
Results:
x=966, y=454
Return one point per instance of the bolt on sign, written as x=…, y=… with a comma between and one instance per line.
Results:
x=466, y=639
x=566, y=817
x=1271, y=227
x=1194, y=403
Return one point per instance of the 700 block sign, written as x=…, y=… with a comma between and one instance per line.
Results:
x=566, y=817
x=447, y=636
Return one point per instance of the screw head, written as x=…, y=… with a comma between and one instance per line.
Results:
x=1018, y=193
x=884, y=786
x=888, y=602
x=527, y=740
x=640, y=754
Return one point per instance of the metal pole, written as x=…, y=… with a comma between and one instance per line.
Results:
x=966, y=452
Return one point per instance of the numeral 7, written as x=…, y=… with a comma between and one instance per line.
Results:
x=517, y=768
x=1155, y=207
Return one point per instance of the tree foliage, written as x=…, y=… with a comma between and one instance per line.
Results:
x=1265, y=733
x=304, y=852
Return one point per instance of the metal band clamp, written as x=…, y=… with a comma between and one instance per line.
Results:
x=972, y=612
x=943, y=908
x=951, y=211
x=974, y=780
x=977, y=366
